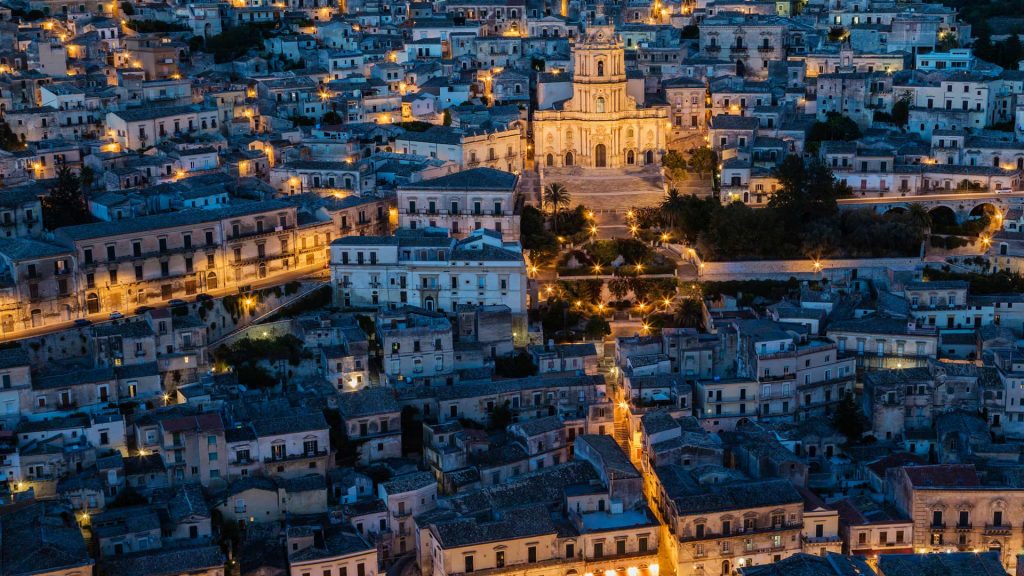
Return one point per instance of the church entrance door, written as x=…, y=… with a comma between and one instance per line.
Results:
x=600, y=156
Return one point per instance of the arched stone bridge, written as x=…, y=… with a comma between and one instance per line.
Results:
x=962, y=206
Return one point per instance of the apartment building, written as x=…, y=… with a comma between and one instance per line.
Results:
x=128, y=263
x=722, y=522
x=429, y=269
x=953, y=511
x=462, y=202
x=500, y=148
x=881, y=342
x=138, y=128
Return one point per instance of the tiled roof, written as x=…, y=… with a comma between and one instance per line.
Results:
x=165, y=562
x=472, y=179
x=942, y=475
x=18, y=249
x=524, y=523
x=368, y=402
x=34, y=538
x=952, y=564
x=158, y=221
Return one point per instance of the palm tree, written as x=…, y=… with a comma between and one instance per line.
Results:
x=689, y=313
x=920, y=216
x=557, y=198
x=671, y=206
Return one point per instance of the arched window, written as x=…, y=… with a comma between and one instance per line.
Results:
x=600, y=67
x=92, y=303
x=211, y=280
x=600, y=104
x=550, y=161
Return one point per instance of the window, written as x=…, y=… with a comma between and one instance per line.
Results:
x=598, y=549
x=499, y=558
x=531, y=554
x=469, y=564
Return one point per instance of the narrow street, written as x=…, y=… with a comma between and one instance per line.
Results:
x=621, y=432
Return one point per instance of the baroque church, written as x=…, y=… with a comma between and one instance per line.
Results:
x=601, y=125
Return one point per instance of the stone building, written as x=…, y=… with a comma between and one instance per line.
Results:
x=601, y=125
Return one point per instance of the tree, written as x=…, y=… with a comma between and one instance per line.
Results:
x=671, y=206
x=331, y=118
x=901, y=110
x=835, y=127
x=128, y=496
x=515, y=366
x=447, y=118
x=500, y=417
x=703, y=161
x=597, y=328
x=690, y=215
x=807, y=192
x=557, y=198
x=919, y=214
x=618, y=287
x=848, y=419
x=689, y=313
x=86, y=177
x=675, y=165
x=8, y=139
x=66, y=204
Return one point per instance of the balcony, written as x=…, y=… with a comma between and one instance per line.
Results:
x=938, y=526
x=738, y=50
x=712, y=48
x=292, y=457
x=821, y=539
x=998, y=529
x=744, y=532
x=766, y=49
x=964, y=527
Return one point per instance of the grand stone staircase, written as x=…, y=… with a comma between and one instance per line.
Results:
x=609, y=193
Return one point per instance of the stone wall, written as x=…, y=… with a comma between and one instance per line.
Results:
x=834, y=270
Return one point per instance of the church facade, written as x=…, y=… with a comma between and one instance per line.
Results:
x=601, y=125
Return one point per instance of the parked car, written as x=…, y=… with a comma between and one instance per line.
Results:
x=143, y=309
x=83, y=322
x=115, y=315
x=174, y=303
x=203, y=297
